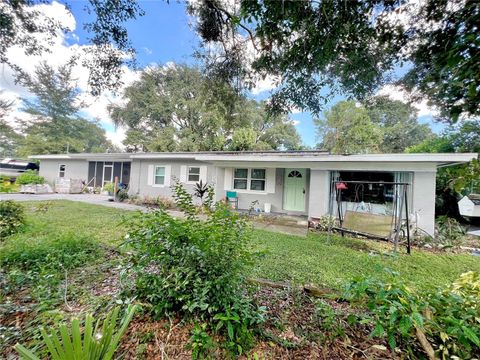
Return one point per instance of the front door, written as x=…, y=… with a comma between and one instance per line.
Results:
x=294, y=190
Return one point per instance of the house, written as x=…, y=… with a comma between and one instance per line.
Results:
x=292, y=182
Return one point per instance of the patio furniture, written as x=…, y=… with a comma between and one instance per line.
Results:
x=232, y=197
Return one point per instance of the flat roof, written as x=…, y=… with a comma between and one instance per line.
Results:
x=440, y=159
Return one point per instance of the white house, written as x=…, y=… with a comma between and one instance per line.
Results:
x=292, y=182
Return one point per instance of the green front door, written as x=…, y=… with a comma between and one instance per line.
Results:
x=294, y=190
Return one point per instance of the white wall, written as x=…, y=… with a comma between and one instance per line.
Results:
x=74, y=169
x=319, y=193
x=139, y=176
x=424, y=200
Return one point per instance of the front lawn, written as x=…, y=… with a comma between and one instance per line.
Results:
x=66, y=261
x=315, y=259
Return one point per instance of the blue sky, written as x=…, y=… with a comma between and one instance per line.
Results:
x=163, y=35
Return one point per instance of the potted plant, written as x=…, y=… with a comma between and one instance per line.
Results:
x=110, y=189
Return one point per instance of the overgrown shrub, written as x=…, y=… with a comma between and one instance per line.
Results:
x=122, y=195
x=93, y=341
x=30, y=177
x=194, y=267
x=324, y=223
x=152, y=201
x=7, y=186
x=449, y=233
x=12, y=217
x=449, y=318
x=42, y=262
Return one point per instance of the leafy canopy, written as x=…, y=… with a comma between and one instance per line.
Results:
x=316, y=49
x=177, y=108
x=347, y=129
x=55, y=125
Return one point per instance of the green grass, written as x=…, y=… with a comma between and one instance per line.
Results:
x=333, y=263
x=46, y=219
x=285, y=258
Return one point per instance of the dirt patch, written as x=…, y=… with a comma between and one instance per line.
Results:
x=292, y=330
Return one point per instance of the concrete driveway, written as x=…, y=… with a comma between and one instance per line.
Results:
x=94, y=199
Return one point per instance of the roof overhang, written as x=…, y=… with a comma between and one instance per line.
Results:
x=307, y=159
x=85, y=156
x=439, y=160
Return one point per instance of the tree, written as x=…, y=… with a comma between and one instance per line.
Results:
x=319, y=48
x=24, y=25
x=9, y=138
x=348, y=129
x=455, y=180
x=55, y=125
x=176, y=108
x=399, y=124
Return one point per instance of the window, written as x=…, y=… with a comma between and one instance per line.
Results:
x=249, y=179
x=240, y=179
x=159, y=175
x=257, y=181
x=61, y=171
x=295, y=174
x=193, y=174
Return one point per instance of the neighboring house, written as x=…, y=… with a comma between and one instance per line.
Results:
x=293, y=182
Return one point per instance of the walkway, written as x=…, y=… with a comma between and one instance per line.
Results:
x=95, y=199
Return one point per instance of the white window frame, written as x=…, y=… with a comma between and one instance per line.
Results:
x=249, y=181
x=155, y=175
x=199, y=174
x=60, y=170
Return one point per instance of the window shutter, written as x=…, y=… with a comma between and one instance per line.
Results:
x=203, y=174
x=167, y=175
x=228, y=179
x=183, y=173
x=150, y=175
x=270, y=182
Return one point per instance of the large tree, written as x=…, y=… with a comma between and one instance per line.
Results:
x=54, y=124
x=347, y=129
x=399, y=122
x=318, y=48
x=177, y=108
x=23, y=24
x=313, y=48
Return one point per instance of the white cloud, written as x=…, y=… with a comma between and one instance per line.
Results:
x=295, y=122
x=117, y=136
x=267, y=84
x=397, y=93
x=60, y=52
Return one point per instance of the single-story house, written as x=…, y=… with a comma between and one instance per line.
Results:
x=292, y=182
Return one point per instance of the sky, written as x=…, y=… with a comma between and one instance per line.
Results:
x=162, y=35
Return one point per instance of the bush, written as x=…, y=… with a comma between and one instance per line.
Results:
x=194, y=267
x=159, y=201
x=42, y=263
x=30, y=177
x=449, y=233
x=122, y=195
x=109, y=187
x=7, y=186
x=449, y=318
x=100, y=340
x=12, y=217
